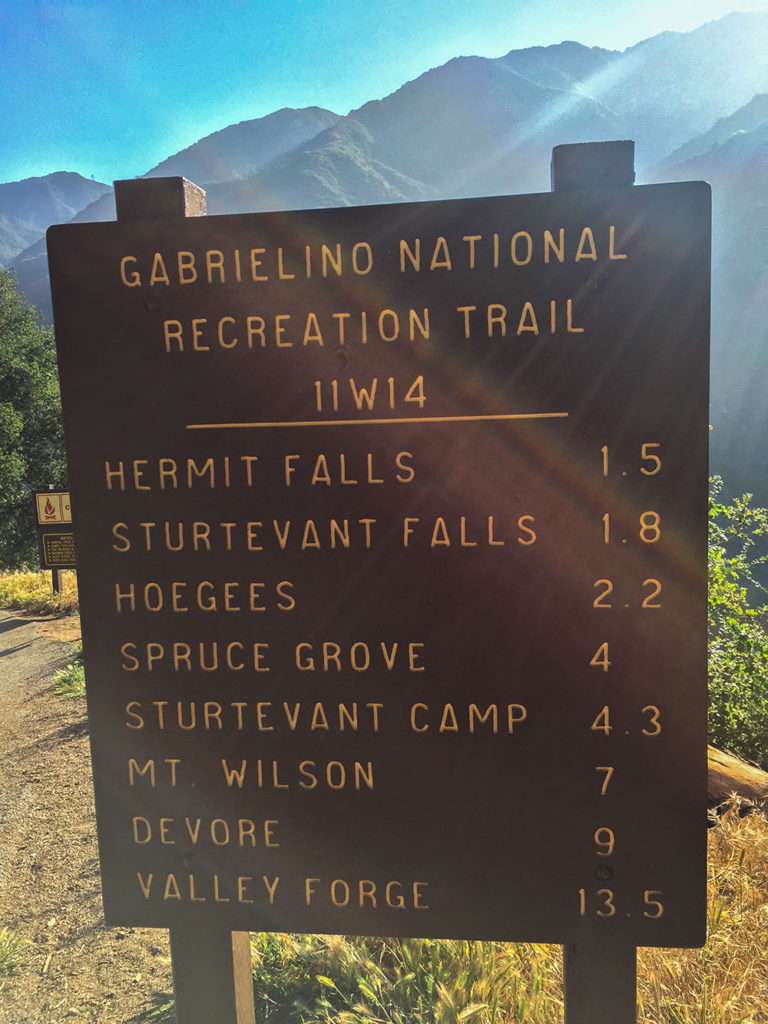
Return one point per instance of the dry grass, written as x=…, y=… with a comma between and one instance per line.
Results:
x=33, y=592
x=726, y=982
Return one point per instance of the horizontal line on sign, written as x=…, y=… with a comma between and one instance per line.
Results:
x=379, y=422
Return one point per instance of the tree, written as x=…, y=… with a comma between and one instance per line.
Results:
x=738, y=626
x=31, y=438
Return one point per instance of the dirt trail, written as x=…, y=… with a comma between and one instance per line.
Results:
x=74, y=968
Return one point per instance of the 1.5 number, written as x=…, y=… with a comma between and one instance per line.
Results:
x=651, y=462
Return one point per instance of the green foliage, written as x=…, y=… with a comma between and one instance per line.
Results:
x=70, y=681
x=326, y=979
x=11, y=951
x=31, y=442
x=738, y=626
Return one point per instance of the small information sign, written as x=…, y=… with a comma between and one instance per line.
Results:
x=53, y=507
x=392, y=560
x=56, y=546
x=58, y=549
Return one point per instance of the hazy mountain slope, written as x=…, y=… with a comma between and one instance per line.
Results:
x=39, y=201
x=15, y=236
x=738, y=172
x=243, y=149
x=443, y=126
x=27, y=207
x=676, y=85
x=567, y=65
x=337, y=168
x=745, y=119
x=475, y=125
x=31, y=265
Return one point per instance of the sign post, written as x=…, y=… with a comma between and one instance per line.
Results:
x=393, y=565
x=56, y=541
x=599, y=979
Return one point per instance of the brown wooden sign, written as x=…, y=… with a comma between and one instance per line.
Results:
x=392, y=562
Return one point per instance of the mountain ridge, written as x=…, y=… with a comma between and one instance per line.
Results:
x=28, y=206
x=692, y=101
x=241, y=149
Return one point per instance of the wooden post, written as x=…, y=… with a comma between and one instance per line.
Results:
x=600, y=984
x=600, y=979
x=56, y=579
x=591, y=165
x=212, y=979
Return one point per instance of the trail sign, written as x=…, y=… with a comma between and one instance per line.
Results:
x=392, y=559
x=55, y=537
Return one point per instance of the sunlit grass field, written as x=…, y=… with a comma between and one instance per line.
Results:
x=33, y=592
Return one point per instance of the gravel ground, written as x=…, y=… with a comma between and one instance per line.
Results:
x=73, y=969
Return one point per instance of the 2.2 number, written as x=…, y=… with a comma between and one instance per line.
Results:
x=606, y=589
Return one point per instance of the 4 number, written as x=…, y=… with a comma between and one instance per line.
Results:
x=600, y=658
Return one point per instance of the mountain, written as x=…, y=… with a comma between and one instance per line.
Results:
x=487, y=126
x=243, y=149
x=675, y=85
x=340, y=167
x=696, y=104
x=15, y=237
x=477, y=126
x=745, y=119
x=27, y=207
x=737, y=168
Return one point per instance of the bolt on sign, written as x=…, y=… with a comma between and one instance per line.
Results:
x=392, y=562
x=55, y=537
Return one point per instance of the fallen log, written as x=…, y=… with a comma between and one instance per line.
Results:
x=728, y=776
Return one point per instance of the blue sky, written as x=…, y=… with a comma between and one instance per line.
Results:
x=110, y=87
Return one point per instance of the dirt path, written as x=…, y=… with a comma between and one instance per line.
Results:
x=74, y=968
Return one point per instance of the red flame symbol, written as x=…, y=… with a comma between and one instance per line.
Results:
x=49, y=511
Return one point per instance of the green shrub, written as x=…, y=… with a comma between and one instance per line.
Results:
x=31, y=440
x=738, y=626
x=70, y=681
x=11, y=951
